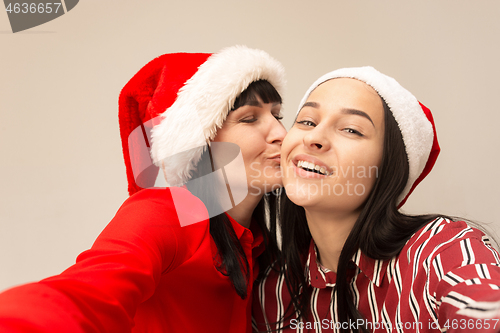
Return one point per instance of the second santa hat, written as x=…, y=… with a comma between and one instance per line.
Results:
x=414, y=120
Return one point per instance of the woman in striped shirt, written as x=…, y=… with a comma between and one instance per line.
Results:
x=351, y=260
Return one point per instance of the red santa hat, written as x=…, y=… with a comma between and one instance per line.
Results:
x=173, y=106
x=414, y=120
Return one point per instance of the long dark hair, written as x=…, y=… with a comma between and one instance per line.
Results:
x=380, y=231
x=232, y=260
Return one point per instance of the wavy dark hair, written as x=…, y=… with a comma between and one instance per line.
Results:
x=232, y=260
x=380, y=231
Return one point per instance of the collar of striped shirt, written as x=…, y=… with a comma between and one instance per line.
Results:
x=322, y=277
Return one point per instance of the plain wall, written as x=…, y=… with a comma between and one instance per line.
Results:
x=62, y=175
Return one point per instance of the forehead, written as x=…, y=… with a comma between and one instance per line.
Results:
x=346, y=90
x=335, y=96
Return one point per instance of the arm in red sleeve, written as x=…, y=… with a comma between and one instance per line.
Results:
x=101, y=292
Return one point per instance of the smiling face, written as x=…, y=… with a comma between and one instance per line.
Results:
x=331, y=156
x=256, y=128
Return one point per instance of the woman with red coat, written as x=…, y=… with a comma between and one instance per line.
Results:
x=181, y=258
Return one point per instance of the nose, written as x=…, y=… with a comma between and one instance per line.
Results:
x=316, y=139
x=276, y=132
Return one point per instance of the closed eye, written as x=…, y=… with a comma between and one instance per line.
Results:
x=248, y=120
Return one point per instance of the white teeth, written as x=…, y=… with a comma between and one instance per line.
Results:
x=311, y=166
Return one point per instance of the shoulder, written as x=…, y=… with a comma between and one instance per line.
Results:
x=157, y=223
x=174, y=205
x=170, y=218
x=444, y=229
x=442, y=234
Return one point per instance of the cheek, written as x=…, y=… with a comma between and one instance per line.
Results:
x=292, y=140
x=251, y=142
x=361, y=166
x=251, y=152
x=286, y=163
x=253, y=167
x=374, y=160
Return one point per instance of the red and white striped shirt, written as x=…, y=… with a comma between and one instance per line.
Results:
x=446, y=278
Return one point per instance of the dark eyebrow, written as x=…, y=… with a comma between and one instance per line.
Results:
x=344, y=111
x=311, y=104
x=358, y=113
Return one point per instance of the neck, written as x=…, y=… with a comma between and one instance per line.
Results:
x=329, y=232
x=242, y=212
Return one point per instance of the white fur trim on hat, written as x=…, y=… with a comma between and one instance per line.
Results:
x=202, y=105
x=415, y=128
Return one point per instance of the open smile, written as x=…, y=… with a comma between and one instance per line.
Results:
x=310, y=167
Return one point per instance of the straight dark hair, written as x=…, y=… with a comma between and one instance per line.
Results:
x=380, y=231
x=232, y=260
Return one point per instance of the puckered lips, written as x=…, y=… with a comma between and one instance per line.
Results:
x=275, y=158
x=307, y=166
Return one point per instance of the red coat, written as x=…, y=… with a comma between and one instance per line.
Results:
x=144, y=273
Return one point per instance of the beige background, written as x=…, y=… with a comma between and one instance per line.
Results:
x=62, y=177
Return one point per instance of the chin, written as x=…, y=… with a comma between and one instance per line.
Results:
x=301, y=196
x=311, y=197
